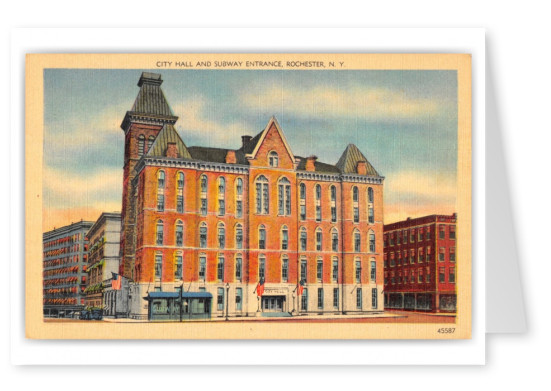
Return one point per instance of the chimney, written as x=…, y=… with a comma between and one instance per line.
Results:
x=245, y=139
x=230, y=157
x=361, y=168
x=311, y=163
x=172, y=150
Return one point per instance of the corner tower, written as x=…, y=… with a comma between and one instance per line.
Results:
x=141, y=125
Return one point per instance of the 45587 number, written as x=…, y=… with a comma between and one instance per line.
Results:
x=446, y=330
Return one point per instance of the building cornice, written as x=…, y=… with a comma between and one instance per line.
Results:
x=193, y=164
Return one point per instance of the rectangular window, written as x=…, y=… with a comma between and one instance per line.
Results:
x=452, y=232
x=373, y=271
x=451, y=275
x=238, y=268
x=284, y=239
x=303, y=241
x=221, y=237
x=318, y=212
x=405, y=237
x=180, y=204
x=336, y=298
x=359, y=298
x=303, y=266
x=427, y=235
x=261, y=268
x=371, y=243
x=238, y=299
x=288, y=200
x=319, y=274
x=221, y=207
x=333, y=214
x=420, y=276
x=203, y=206
x=285, y=270
x=178, y=268
x=203, y=237
x=160, y=202
x=158, y=266
x=371, y=216
x=303, y=212
x=357, y=242
x=179, y=236
x=281, y=200
x=442, y=232
x=265, y=198
x=239, y=238
x=220, y=269
x=202, y=268
x=374, y=298
x=412, y=236
x=304, y=300
x=262, y=239
x=358, y=272
x=239, y=209
x=335, y=270
x=259, y=198
x=356, y=214
x=220, y=299
x=442, y=275
x=318, y=241
x=452, y=254
x=320, y=298
x=442, y=255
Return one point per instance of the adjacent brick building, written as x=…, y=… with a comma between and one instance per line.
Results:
x=220, y=221
x=64, y=269
x=420, y=264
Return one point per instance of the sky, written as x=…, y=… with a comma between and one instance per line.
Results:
x=404, y=122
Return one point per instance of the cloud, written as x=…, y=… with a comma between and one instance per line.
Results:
x=65, y=188
x=199, y=123
x=358, y=102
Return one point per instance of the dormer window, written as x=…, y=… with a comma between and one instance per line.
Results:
x=273, y=159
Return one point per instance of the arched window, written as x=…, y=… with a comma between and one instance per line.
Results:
x=239, y=198
x=262, y=195
x=180, y=192
x=238, y=236
x=221, y=235
x=334, y=240
x=355, y=206
x=370, y=195
x=160, y=229
x=302, y=201
x=160, y=191
x=284, y=238
x=161, y=179
x=141, y=145
x=221, y=196
x=284, y=197
x=178, y=269
x=179, y=233
x=262, y=237
x=204, y=184
x=357, y=241
x=150, y=142
x=318, y=203
x=203, y=235
x=273, y=159
x=303, y=239
x=371, y=241
x=319, y=239
x=333, y=191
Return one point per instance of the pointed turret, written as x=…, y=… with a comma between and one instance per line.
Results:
x=150, y=106
x=353, y=161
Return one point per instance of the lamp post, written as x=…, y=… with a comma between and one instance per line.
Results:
x=227, y=298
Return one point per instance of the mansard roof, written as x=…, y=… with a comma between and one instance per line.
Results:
x=318, y=166
x=168, y=134
x=349, y=161
x=215, y=155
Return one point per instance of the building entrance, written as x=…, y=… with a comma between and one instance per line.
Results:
x=273, y=303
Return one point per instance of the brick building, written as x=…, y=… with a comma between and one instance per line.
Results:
x=220, y=221
x=420, y=264
x=64, y=269
x=103, y=259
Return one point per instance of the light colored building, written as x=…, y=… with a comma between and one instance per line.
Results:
x=103, y=260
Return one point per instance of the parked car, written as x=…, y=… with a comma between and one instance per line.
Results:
x=84, y=315
x=97, y=314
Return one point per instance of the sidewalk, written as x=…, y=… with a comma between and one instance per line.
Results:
x=266, y=318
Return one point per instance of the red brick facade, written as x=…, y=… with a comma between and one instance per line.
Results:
x=421, y=264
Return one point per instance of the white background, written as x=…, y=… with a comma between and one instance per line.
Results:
x=517, y=50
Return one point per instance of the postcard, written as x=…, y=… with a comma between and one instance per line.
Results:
x=248, y=196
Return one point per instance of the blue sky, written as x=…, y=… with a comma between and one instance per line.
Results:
x=405, y=122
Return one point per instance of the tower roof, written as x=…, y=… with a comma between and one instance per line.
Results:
x=151, y=99
x=167, y=135
x=349, y=160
